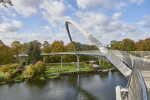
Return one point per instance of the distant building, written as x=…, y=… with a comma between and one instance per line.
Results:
x=95, y=64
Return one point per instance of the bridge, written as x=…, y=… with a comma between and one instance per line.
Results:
x=138, y=87
x=135, y=69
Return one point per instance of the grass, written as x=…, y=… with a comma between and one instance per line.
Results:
x=2, y=74
x=19, y=78
x=66, y=68
x=52, y=71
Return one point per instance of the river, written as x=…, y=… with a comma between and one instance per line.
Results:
x=95, y=86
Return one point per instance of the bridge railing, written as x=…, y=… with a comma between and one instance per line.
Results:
x=143, y=54
x=136, y=87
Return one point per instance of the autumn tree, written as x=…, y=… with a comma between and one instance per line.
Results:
x=16, y=47
x=147, y=44
x=46, y=47
x=116, y=45
x=128, y=45
x=57, y=46
x=69, y=47
x=124, y=45
x=6, y=54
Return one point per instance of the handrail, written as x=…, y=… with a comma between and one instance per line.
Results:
x=144, y=90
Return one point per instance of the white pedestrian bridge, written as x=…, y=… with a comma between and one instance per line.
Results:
x=131, y=64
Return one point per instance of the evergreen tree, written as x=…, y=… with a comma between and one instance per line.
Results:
x=34, y=54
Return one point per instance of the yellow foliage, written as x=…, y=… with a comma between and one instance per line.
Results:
x=4, y=68
x=30, y=69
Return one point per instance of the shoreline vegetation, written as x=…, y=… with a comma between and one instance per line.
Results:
x=40, y=71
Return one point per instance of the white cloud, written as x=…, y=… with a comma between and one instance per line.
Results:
x=144, y=24
x=117, y=15
x=137, y=1
x=147, y=17
x=25, y=7
x=54, y=12
x=106, y=28
x=9, y=37
x=13, y=26
x=105, y=3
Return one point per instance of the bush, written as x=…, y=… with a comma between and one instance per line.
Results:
x=7, y=76
x=30, y=69
x=40, y=67
x=2, y=79
x=4, y=69
x=34, y=70
x=13, y=66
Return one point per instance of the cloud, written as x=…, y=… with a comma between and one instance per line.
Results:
x=106, y=28
x=147, y=17
x=116, y=4
x=117, y=15
x=144, y=24
x=26, y=7
x=54, y=12
x=13, y=26
x=9, y=37
x=136, y=1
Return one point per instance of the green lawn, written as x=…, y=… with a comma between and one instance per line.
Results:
x=65, y=69
x=1, y=74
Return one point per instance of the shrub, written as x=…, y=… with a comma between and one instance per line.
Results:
x=4, y=69
x=30, y=69
x=40, y=67
x=7, y=76
x=13, y=66
x=2, y=79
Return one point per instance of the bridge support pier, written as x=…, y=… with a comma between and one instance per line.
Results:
x=78, y=63
x=61, y=61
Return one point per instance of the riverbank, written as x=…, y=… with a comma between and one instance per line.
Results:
x=55, y=71
x=90, y=86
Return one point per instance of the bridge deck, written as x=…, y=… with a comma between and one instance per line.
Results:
x=144, y=66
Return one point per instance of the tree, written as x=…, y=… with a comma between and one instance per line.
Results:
x=1, y=43
x=36, y=43
x=125, y=45
x=34, y=54
x=37, y=53
x=57, y=46
x=69, y=47
x=128, y=45
x=46, y=47
x=147, y=44
x=16, y=46
x=116, y=45
x=6, y=54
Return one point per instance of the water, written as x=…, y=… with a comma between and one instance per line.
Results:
x=98, y=86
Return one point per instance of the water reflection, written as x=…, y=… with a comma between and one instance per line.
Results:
x=98, y=86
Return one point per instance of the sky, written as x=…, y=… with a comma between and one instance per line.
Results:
x=44, y=20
